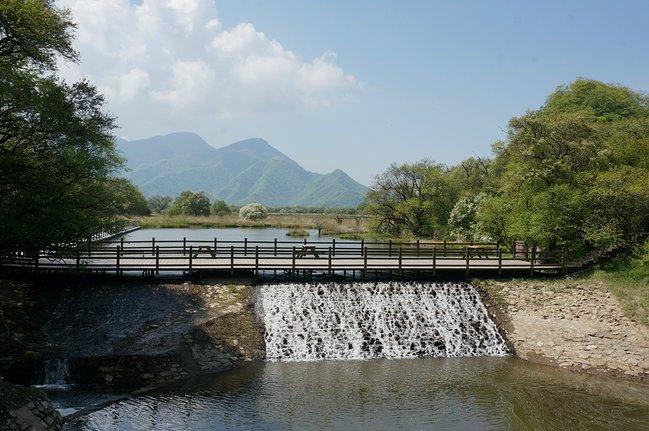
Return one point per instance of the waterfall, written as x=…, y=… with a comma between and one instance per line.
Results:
x=306, y=322
x=55, y=374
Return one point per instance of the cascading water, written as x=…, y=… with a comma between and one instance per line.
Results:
x=306, y=322
x=56, y=373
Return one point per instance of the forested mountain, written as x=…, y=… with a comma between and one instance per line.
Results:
x=247, y=171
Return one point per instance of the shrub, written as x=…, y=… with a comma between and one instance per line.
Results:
x=254, y=211
x=220, y=208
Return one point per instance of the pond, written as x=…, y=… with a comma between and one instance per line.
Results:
x=425, y=393
x=225, y=234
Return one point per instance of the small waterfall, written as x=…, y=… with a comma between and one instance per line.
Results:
x=56, y=373
x=306, y=322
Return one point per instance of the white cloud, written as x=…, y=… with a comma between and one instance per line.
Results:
x=160, y=57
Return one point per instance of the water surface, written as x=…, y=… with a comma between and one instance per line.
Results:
x=425, y=393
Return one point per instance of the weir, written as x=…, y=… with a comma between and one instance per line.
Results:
x=317, y=321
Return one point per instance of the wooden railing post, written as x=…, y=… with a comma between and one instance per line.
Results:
x=245, y=246
x=365, y=259
x=390, y=247
x=362, y=246
x=434, y=262
x=533, y=257
x=330, y=259
x=444, y=247
x=275, y=247
x=500, y=261
x=157, y=260
x=231, y=259
x=466, y=273
x=400, y=257
x=293, y=263
x=191, y=256
x=153, y=245
x=333, y=242
x=257, y=259
x=417, y=247
x=121, y=242
x=184, y=245
x=117, y=258
x=216, y=244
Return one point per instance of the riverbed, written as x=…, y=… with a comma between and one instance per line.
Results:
x=424, y=393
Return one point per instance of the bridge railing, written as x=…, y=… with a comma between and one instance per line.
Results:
x=182, y=255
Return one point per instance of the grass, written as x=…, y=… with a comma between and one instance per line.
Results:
x=297, y=232
x=329, y=223
x=628, y=279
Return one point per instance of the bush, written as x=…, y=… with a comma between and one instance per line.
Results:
x=253, y=211
x=297, y=232
x=220, y=208
x=189, y=203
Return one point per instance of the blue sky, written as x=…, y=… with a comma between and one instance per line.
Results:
x=379, y=81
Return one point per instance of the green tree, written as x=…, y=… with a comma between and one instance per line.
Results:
x=414, y=198
x=129, y=199
x=220, y=208
x=574, y=172
x=57, y=157
x=190, y=203
x=159, y=204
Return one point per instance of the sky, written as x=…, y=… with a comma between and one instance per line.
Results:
x=349, y=84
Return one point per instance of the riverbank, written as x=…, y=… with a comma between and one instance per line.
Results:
x=573, y=323
x=127, y=334
x=329, y=224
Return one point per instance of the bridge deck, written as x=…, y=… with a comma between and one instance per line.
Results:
x=188, y=256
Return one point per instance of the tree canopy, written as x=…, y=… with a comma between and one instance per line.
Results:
x=58, y=164
x=190, y=203
x=574, y=173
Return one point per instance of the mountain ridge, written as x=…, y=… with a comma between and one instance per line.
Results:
x=250, y=170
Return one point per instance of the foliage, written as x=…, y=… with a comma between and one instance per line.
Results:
x=159, y=204
x=463, y=217
x=628, y=278
x=414, y=198
x=129, y=199
x=220, y=208
x=57, y=155
x=190, y=203
x=253, y=211
x=573, y=173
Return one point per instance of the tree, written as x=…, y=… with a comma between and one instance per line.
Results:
x=415, y=198
x=159, y=204
x=190, y=203
x=253, y=211
x=58, y=163
x=129, y=199
x=574, y=172
x=220, y=208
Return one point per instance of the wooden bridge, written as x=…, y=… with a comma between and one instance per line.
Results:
x=288, y=257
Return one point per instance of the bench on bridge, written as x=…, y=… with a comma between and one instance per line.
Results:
x=205, y=249
x=478, y=251
x=306, y=249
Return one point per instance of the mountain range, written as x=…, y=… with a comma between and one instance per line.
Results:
x=246, y=171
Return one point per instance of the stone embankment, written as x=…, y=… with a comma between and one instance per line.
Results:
x=573, y=324
x=127, y=334
x=26, y=409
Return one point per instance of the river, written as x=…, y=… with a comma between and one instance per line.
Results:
x=426, y=393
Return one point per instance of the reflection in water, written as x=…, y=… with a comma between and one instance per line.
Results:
x=458, y=393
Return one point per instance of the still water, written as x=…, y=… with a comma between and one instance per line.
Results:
x=223, y=234
x=426, y=393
